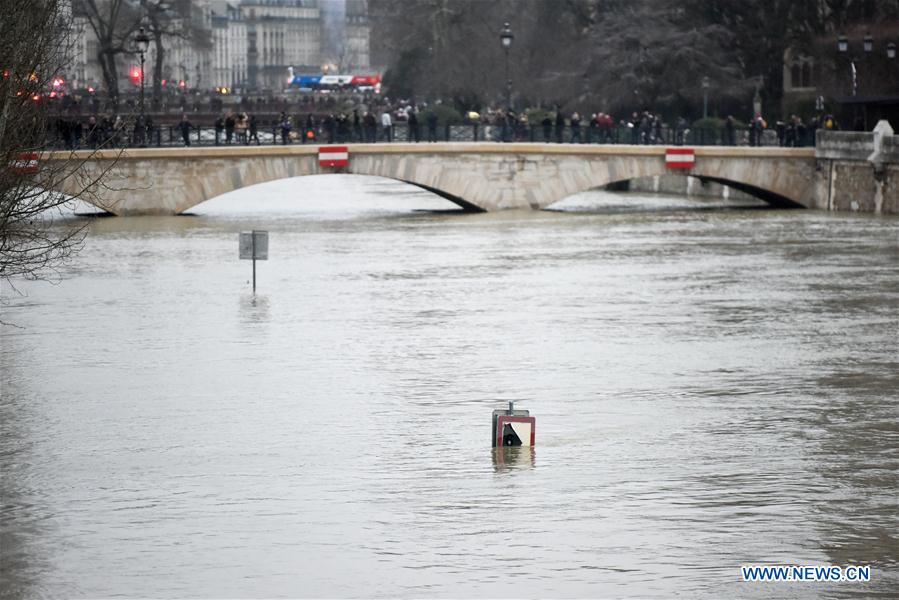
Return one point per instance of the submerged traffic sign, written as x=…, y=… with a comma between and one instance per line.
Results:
x=253, y=246
x=513, y=427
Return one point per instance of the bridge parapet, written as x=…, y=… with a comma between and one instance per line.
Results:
x=844, y=145
x=861, y=169
x=859, y=145
x=890, y=149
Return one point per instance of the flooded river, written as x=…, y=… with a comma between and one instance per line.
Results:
x=714, y=386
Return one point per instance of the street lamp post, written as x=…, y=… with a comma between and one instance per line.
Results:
x=757, y=97
x=143, y=44
x=868, y=48
x=705, y=97
x=506, y=38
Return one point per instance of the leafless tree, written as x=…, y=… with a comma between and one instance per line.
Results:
x=113, y=23
x=33, y=50
x=168, y=20
x=612, y=55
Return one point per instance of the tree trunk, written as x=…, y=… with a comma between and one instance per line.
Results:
x=110, y=77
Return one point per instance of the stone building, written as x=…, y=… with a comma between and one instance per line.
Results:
x=801, y=77
x=357, y=42
x=280, y=34
x=229, y=49
x=253, y=45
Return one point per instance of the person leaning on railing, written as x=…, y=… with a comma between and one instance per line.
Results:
x=184, y=127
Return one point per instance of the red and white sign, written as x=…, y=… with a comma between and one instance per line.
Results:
x=514, y=431
x=25, y=163
x=679, y=158
x=333, y=156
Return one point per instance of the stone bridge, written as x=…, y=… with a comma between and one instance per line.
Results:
x=480, y=176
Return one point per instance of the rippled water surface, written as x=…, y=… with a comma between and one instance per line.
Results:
x=714, y=386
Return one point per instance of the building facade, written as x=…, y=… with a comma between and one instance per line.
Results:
x=229, y=49
x=280, y=34
x=357, y=42
x=248, y=45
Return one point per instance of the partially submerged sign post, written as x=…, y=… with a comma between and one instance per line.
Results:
x=513, y=427
x=254, y=246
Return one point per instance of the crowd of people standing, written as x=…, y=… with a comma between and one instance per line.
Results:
x=103, y=131
x=417, y=123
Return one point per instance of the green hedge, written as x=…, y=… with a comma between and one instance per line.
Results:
x=715, y=124
x=446, y=115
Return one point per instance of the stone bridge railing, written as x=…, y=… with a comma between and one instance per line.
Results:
x=860, y=170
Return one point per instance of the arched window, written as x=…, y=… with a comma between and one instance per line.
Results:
x=795, y=76
x=806, y=75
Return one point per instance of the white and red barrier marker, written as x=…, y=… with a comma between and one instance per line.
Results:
x=680, y=158
x=24, y=163
x=333, y=156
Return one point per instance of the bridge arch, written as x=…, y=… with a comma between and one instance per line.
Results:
x=663, y=183
x=318, y=192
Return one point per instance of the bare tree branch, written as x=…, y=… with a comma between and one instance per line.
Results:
x=34, y=236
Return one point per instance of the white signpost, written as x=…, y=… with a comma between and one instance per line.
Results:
x=254, y=246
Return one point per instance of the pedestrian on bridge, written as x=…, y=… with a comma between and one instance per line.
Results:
x=371, y=127
x=412, y=124
x=575, y=128
x=387, y=125
x=219, y=128
x=729, y=131
x=284, y=124
x=657, y=130
x=329, y=126
x=254, y=130
x=547, y=124
x=634, y=126
x=432, y=126
x=593, y=128
x=241, y=124
x=606, y=126
x=93, y=132
x=184, y=127
x=230, y=122
x=756, y=129
x=357, y=126
x=118, y=133
x=139, y=138
x=680, y=130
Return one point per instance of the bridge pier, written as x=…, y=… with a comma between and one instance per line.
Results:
x=860, y=170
